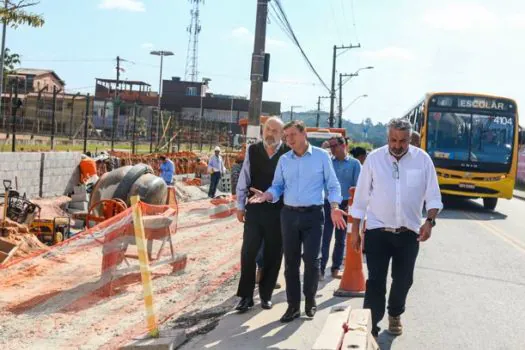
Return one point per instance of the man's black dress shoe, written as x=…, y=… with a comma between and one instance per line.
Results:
x=310, y=308
x=291, y=314
x=244, y=304
x=266, y=304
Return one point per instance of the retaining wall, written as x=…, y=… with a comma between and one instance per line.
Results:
x=40, y=174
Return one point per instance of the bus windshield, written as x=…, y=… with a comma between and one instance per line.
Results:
x=472, y=138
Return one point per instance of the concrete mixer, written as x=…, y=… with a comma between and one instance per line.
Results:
x=112, y=193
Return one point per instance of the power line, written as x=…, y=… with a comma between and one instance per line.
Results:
x=353, y=20
x=296, y=41
x=68, y=60
x=336, y=26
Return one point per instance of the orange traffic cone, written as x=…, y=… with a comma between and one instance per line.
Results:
x=353, y=279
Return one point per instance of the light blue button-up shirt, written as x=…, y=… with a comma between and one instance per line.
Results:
x=347, y=172
x=216, y=164
x=303, y=179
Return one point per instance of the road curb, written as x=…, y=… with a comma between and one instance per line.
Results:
x=521, y=197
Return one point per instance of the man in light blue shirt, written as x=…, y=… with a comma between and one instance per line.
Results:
x=167, y=170
x=347, y=170
x=216, y=168
x=302, y=175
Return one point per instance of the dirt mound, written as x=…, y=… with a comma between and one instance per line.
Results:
x=19, y=234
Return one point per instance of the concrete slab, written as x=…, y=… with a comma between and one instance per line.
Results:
x=167, y=340
x=359, y=330
x=332, y=333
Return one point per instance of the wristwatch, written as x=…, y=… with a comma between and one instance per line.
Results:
x=334, y=205
x=431, y=221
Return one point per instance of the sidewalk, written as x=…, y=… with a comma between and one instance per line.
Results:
x=519, y=194
x=261, y=329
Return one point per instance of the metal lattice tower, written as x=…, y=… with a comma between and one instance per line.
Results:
x=194, y=29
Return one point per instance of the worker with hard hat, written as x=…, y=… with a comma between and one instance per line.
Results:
x=216, y=169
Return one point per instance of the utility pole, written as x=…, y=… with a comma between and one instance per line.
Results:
x=116, y=107
x=86, y=121
x=332, y=92
x=53, y=119
x=133, y=144
x=15, y=105
x=257, y=70
x=319, y=110
x=4, y=29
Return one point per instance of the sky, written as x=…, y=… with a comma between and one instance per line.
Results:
x=414, y=46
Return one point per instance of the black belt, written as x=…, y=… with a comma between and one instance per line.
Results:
x=303, y=209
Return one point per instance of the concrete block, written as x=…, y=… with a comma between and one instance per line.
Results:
x=167, y=340
x=81, y=197
x=333, y=332
x=360, y=330
x=78, y=206
x=79, y=189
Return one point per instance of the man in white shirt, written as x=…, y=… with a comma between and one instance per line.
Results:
x=394, y=182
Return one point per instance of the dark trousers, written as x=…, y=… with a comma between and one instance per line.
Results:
x=340, y=240
x=260, y=257
x=262, y=224
x=301, y=229
x=214, y=181
x=381, y=246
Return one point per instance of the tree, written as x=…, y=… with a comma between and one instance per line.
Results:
x=15, y=14
x=10, y=61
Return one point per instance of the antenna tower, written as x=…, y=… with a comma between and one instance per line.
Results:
x=194, y=29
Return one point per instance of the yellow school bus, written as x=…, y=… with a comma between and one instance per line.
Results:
x=473, y=141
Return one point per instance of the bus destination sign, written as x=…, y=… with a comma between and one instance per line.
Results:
x=474, y=102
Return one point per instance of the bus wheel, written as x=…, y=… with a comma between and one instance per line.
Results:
x=490, y=203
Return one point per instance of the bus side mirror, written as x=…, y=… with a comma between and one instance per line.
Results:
x=521, y=137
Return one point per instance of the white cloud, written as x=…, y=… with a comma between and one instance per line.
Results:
x=241, y=32
x=125, y=5
x=517, y=20
x=245, y=35
x=147, y=46
x=391, y=52
x=461, y=16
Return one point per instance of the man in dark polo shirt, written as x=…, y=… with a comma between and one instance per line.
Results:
x=261, y=220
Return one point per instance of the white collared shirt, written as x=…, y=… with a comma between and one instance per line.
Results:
x=390, y=193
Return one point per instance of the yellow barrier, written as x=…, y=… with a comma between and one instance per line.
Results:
x=145, y=274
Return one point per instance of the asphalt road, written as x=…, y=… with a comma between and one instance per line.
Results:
x=469, y=292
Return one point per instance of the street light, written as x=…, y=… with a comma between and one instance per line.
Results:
x=161, y=54
x=341, y=83
x=204, y=83
x=357, y=98
x=291, y=111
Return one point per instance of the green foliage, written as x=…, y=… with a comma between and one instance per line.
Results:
x=16, y=15
x=10, y=61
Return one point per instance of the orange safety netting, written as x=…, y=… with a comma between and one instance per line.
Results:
x=87, y=291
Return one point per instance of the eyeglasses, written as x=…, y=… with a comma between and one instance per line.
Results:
x=395, y=172
x=333, y=145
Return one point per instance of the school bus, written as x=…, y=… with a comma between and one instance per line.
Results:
x=474, y=142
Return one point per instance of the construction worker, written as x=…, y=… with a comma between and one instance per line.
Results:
x=216, y=169
x=302, y=175
x=394, y=182
x=167, y=169
x=347, y=171
x=262, y=222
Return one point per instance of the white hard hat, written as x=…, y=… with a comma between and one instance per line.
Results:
x=217, y=149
